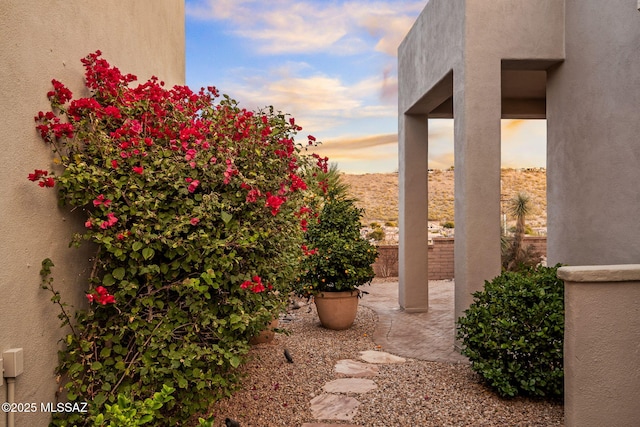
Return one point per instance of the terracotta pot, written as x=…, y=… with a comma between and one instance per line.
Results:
x=266, y=335
x=337, y=310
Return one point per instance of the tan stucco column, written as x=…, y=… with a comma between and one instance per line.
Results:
x=413, y=217
x=477, y=113
x=601, y=345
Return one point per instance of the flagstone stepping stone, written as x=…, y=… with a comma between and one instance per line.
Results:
x=372, y=356
x=334, y=407
x=353, y=368
x=350, y=385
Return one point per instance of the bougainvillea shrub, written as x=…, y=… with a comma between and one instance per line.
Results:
x=196, y=210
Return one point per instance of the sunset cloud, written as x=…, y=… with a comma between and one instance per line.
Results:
x=333, y=66
x=291, y=26
x=319, y=102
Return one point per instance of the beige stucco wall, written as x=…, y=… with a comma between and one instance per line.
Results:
x=593, y=144
x=456, y=47
x=422, y=65
x=602, y=345
x=41, y=40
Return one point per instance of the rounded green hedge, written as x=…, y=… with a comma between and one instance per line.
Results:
x=513, y=333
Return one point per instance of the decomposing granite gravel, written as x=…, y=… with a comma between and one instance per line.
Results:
x=413, y=393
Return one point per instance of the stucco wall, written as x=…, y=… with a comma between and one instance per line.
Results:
x=601, y=345
x=593, y=126
x=41, y=40
x=457, y=48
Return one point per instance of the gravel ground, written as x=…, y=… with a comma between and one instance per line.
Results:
x=414, y=393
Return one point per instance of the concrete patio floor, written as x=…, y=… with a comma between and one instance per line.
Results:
x=423, y=336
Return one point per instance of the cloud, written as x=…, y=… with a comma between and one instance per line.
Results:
x=366, y=154
x=441, y=161
x=291, y=26
x=359, y=143
x=316, y=100
x=343, y=82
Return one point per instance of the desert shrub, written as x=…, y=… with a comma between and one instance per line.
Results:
x=196, y=207
x=448, y=224
x=513, y=333
x=376, y=234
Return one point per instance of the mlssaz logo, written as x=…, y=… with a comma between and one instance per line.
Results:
x=81, y=407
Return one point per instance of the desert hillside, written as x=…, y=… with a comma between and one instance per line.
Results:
x=378, y=194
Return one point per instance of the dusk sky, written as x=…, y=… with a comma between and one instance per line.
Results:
x=331, y=64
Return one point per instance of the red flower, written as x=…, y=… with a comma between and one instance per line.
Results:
x=47, y=182
x=193, y=185
x=110, y=222
x=41, y=175
x=114, y=164
x=255, y=284
x=274, y=202
x=138, y=169
x=59, y=92
x=111, y=219
x=103, y=296
x=194, y=221
x=37, y=174
x=297, y=183
x=107, y=299
x=231, y=171
x=252, y=195
x=100, y=200
x=257, y=288
x=113, y=112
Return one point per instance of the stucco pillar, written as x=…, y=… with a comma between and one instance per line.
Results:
x=601, y=345
x=413, y=217
x=477, y=113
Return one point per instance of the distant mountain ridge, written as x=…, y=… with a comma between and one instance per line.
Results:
x=378, y=194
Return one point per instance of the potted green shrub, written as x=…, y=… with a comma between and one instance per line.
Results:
x=337, y=258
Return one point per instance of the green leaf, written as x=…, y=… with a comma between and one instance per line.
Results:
x=148, y=253
x=147, y=418
x=137, y=246
x=235, y=361
x=226, y=217
x=118, y=273
x=108, y=280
